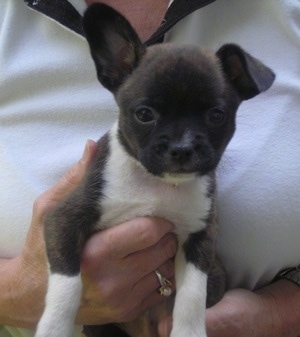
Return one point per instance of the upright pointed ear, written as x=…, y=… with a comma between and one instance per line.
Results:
x=115, y=46
x=248, y=75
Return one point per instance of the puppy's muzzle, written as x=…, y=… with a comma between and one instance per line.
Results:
x=183, y=155
x=187, y=157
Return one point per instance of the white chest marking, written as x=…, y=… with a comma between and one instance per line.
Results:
x=131, y=191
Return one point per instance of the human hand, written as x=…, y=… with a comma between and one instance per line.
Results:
x=24, y=284
x=24, y=278
x=118, y=266
x=242, y=313
x=271, y=311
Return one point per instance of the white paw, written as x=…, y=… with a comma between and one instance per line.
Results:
x=46, y=331
x=188, y=333
x=62, y=302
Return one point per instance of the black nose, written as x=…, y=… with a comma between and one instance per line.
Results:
x=181, y=153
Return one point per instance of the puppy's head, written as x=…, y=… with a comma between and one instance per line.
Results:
x=177, y=103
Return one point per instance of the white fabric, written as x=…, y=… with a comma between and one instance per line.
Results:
x=51, y=103
x=79, y=5
x=259, y=178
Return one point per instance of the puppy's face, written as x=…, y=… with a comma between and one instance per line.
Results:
x=177, y=103
x=177, y=113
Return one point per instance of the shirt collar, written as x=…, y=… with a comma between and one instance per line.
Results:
x=68, y=13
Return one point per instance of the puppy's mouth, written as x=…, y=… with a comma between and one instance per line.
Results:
x=178, y=163
x=178, y=178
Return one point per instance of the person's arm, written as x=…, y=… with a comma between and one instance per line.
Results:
x=271, y=311
x=113, y=264
x=20, y=302
x=23, y=279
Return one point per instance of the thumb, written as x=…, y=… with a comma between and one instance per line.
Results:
x=67, y=183
x=75, y=174
x=33, y=254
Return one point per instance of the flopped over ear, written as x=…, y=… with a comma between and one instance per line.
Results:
x=114, y=44
x=248, y=75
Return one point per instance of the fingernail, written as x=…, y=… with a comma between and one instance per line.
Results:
x=86, y=152
x=165, y=327
x=168, y=326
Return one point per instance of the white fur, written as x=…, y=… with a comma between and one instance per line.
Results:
x=131, y=191
x=190, y=301
x=176, y=179
x=62, y=302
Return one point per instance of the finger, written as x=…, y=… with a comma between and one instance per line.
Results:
x=66, y=183
x=75, y=174
x=146, y=260
x=126, y=238
x=153, y=299
x=165, y=327
x=141, y=233
x=150, y=284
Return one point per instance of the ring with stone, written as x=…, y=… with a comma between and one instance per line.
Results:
x=165, y=285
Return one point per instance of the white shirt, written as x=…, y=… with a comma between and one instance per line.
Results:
x=51, y=103
x=259, y=177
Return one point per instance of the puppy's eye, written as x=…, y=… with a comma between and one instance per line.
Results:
x=216, y=117
x=145, y=115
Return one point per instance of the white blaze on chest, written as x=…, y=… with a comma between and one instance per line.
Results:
x=131, y=191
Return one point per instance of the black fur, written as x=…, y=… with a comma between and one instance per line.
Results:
x=177, y=114
x=111, y=71
x=76, y=217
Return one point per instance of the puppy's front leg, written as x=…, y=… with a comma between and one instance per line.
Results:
x=192, y=265
x=64, y=283
x=63, y=299
x=66, y=229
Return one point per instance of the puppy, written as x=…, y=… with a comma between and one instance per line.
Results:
x=177, y=114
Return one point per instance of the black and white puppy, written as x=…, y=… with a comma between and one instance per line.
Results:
x=177, y=114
